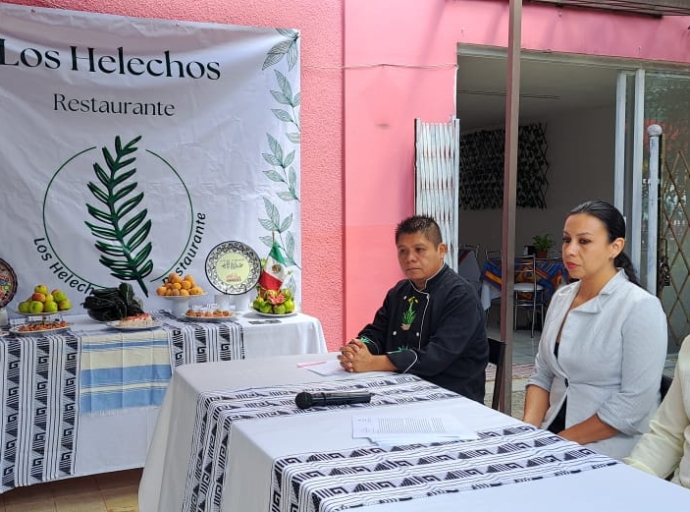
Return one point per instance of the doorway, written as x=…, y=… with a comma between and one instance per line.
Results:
x=588, y=113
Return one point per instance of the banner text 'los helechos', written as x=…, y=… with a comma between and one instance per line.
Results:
x=89, y=60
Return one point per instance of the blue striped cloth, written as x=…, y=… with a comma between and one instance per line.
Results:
x=131, y=369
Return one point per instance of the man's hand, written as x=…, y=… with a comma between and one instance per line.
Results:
x=355, y=357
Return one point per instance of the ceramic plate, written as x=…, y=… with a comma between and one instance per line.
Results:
x=38, y=332
x=233, y=268
x=230, y=318
x=3, y=333
x=8, y=283
x=273, y=315
x=116, y=325
x=180, y=297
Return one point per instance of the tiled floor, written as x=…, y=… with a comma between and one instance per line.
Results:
x=111, y=492
x=117, y=492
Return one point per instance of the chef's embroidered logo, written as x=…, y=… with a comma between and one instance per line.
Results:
x=409, y=315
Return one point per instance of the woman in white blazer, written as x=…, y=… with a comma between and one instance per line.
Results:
x=603, y=346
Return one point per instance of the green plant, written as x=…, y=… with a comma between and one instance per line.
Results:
x=542, y=243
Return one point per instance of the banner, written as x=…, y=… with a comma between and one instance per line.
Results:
x=132, y=147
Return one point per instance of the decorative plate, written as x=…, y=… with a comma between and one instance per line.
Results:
x=180, y=297
x=273, y=315
x=115, y=324
x=8, y=283
x=233, y=268
x=38, y=332
x=230, y=318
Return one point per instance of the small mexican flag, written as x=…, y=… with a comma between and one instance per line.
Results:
x=274, y=272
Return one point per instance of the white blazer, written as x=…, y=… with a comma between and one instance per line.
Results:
x=610, y=359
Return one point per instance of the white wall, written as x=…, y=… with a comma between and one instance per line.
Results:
x=581, y=157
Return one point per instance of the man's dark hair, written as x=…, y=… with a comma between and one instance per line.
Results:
x=420, y=224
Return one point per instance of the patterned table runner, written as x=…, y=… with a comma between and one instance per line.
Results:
x=328, y=482
x=216, y=411
x=550, y=274
x=199, y=342
x=40, y=408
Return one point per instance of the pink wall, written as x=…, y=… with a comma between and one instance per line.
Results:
x=357, y=182
x=320, y=24
x=417, y=41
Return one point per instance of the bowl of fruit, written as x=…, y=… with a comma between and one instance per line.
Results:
x=43, y=302
x=274, y=302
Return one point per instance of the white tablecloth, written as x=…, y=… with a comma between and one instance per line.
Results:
x=117, y=439
x=254, y=444
x=120, y=440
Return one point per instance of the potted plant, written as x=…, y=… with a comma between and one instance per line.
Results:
x=542, y=244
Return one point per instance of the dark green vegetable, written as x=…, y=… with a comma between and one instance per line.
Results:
x=109, y=304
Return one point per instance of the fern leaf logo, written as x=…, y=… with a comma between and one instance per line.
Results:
x=121, y=227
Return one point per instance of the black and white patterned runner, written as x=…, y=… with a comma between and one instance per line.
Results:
x=329, y=482
x=201, y=342
x=216, y=411
x=40, y=409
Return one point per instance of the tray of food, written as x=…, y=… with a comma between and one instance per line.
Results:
x=40, y=328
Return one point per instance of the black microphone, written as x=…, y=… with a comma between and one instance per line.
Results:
x=304, y=400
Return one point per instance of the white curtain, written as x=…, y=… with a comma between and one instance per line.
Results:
x=437, y=174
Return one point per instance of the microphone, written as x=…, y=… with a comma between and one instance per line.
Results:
x=304, y=400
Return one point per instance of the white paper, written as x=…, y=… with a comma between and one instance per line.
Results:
x=391, y=430
x=323, y=367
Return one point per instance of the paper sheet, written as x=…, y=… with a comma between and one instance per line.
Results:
x=399, y=430
x=323, y=367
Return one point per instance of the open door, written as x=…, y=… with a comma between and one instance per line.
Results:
x=658, y=212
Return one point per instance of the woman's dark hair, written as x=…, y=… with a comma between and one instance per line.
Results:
x=615, y=226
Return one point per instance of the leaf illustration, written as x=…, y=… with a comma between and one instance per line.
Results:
x=284, y=85
x=287, y=222
x=294, y=137
x=272, y=212
x=290, y=245
x=287, y=47
x=287, y=196
x=297, y=99
x=274, y=176
x=121, y=226
x=283, y=115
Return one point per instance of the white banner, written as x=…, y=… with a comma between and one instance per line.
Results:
x=132, y=147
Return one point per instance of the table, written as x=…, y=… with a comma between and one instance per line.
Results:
x=551, y=275
x=85, y=401
x=251, y=465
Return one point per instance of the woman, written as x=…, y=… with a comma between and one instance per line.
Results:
x=603, y=346
x=665, y=450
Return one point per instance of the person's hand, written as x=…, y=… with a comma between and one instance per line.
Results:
x=355, y=356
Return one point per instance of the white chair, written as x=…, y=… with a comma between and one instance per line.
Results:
x=527, y=292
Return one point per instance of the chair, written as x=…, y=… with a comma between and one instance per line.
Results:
x=527, y=292
x=494, y=254
x=665, y=384
x=470, y=247
x=468, y=267
x=497, y=352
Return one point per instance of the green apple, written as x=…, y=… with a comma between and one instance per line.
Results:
x=36, y=307
x=50, y=306
x=279, y=309
x=59, y=295
x=41, y=288
x=24, y=306
x=48, y=298
x=64, y=305
x=289, y=306
x=266, y=308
